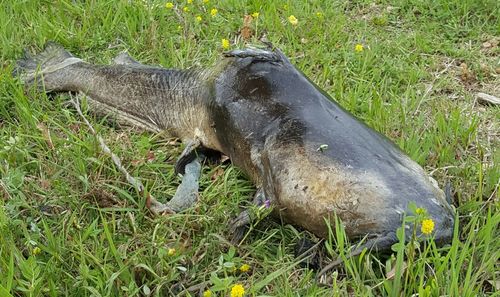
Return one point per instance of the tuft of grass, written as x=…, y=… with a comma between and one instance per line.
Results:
x=58, y=237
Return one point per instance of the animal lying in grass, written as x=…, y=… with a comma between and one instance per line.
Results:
x=308, y=157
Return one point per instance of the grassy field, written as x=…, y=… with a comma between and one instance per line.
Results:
x=71, y=225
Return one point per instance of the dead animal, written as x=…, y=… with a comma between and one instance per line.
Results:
x=308, y=157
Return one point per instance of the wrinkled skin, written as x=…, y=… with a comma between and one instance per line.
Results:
x=263, y=113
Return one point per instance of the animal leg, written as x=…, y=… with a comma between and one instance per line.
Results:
x=379, y=243
x=188, y=155
x=189, y=165
x=239, y=226
x=312, y=251
x=187, y=192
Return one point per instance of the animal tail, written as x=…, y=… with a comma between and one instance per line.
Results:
x=53, y=58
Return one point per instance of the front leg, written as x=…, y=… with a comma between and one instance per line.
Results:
x=188, y=164
x=189, y=153
x=186, y=195
x=187, y=192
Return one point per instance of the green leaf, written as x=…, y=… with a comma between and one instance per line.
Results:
x=4, y=292
x=410, y=219
x=397, y=246
x=412, y=207
x=400, y=233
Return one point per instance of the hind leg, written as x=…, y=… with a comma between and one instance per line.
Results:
x=240, y=225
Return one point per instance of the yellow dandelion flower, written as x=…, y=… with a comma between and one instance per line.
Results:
x=237, y=291
x=255, y=15
x=213, y=12
x=169, y=5
x=293, y=20
x=36, y=251
x=319, y=14
x=420, y=211
x=186, y=9
x=427, y=226
x=244, y=268
x=225, y=43
x=199, y=18
x=359, y=48
x=207, y=293
x=171, y=251
x=189, y=1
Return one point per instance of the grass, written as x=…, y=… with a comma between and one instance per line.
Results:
x=70, y=225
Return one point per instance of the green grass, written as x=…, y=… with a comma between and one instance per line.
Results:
x=71, y=225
